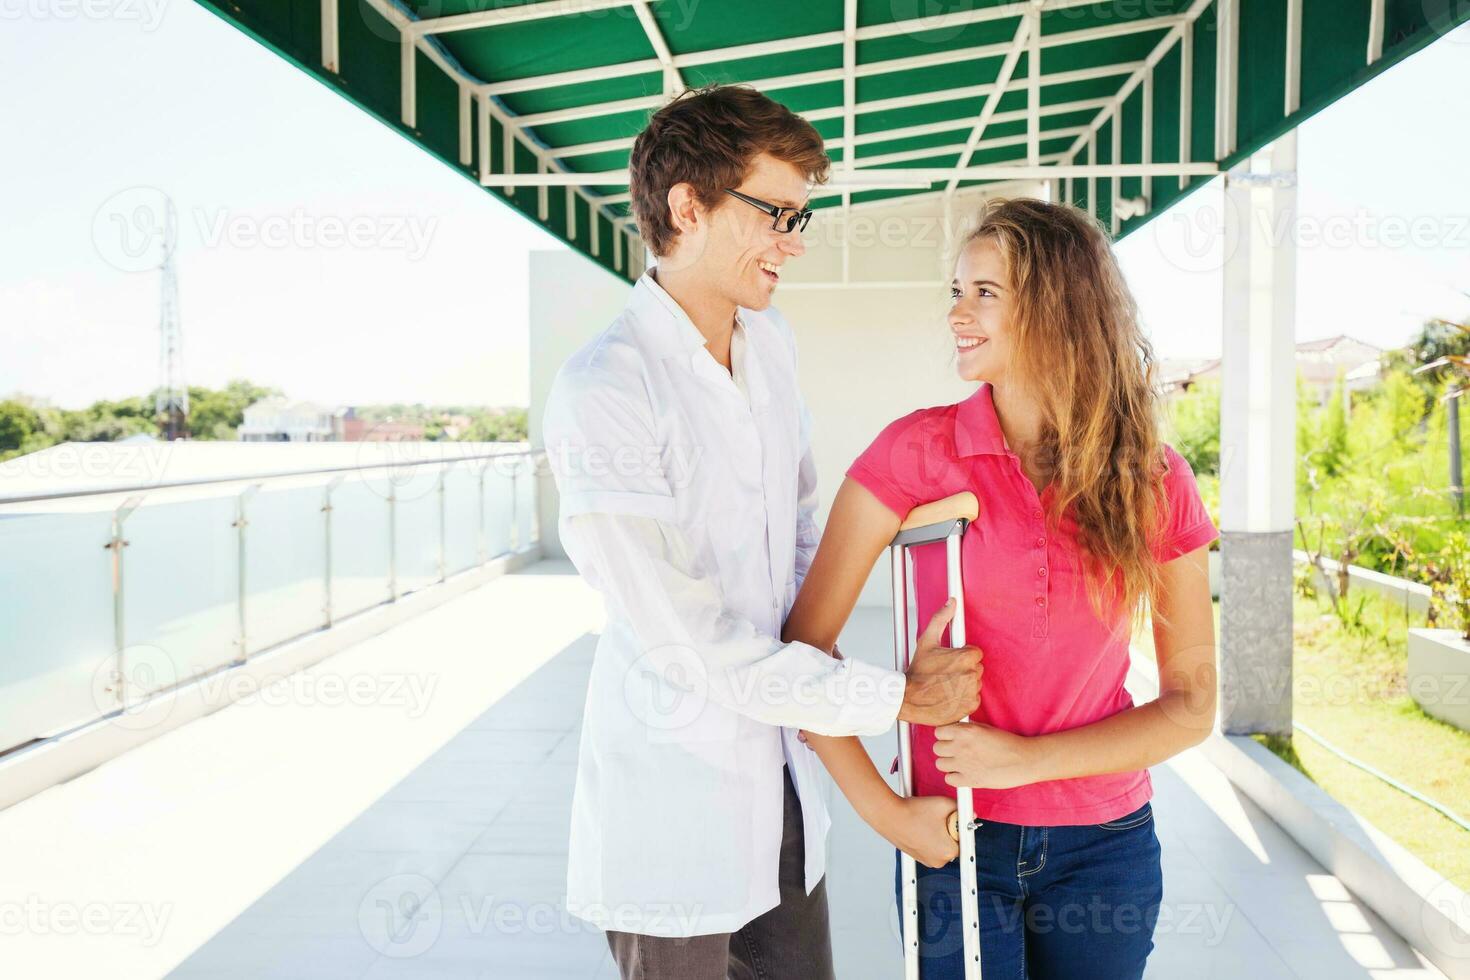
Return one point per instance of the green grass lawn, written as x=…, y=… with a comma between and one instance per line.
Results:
x=1350, y=686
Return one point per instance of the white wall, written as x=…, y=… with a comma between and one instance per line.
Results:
x=572, y=300
x=867, y=357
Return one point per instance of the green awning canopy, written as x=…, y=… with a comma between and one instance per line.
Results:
x=1131, y=104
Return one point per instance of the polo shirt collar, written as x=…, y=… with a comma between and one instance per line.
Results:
x=976, y=427
x=665, y=331
x=663, y=326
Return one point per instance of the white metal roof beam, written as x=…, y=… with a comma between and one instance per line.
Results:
x=501, y=16
x=883, y=67
x=1028, y=24
x=903, y=156
x=673, y=81
x=830, y=112
x=896, y=177
x=1136, y=78
x=875, y=136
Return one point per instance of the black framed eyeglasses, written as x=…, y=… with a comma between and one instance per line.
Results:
x=782, y=219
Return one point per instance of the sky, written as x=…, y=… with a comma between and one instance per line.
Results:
x=322, y=253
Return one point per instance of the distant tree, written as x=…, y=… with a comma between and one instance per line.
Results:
x=18, y=425
x=509, y=425
x=1439, y=340
x=1194, y=426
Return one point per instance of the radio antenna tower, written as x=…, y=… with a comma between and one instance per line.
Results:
x=171, y=399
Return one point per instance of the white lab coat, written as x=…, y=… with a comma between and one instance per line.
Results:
x=690, y=506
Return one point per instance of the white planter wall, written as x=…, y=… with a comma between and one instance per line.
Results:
x=1439, y=674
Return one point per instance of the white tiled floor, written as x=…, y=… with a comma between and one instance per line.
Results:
x=356, y=843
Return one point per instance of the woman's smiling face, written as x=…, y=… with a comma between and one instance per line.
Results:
x=980, y=312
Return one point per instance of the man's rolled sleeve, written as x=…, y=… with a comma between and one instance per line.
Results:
x=648, y=573
x=602, y=447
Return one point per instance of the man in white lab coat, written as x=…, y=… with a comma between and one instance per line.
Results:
x=680, y=445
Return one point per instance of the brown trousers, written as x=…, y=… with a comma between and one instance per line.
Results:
x=789, y=942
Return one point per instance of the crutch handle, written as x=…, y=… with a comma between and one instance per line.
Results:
x=952, y=824
x=961, y=505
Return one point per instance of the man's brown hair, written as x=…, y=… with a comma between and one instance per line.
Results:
x=707, y=138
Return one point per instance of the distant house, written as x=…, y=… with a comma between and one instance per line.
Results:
x=282, y=420
x=278, y=419
x=1318, y=362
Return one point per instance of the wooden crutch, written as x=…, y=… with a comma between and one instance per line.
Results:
x=942, y=520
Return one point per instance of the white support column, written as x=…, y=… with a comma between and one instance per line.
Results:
x=1092, y=181
x=1033, y=88
x=330, y=37
x=543, y=202
x=571, y=212
x=466, y=126
x=508, y=150
x=1227, y=55
x=1375, y=31
x=1293, y=56
x=408, y=79
x=1257, y=442
x=483, y=138
x=1186, y=98
x=849, y=124
x=1116, y=186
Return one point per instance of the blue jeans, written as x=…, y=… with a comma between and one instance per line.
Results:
x=1056, y=903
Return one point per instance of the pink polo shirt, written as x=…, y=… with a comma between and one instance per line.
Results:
x=1050, y=663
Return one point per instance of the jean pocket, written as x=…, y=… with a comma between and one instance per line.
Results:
x=1137, y=818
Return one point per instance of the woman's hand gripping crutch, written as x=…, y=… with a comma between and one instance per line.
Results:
x=942, y=520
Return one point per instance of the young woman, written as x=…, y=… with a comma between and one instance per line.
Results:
x=1086, y=519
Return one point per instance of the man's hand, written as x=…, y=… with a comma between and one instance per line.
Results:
x=943, y=683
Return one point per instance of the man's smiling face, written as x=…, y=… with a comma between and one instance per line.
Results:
x=743, y=255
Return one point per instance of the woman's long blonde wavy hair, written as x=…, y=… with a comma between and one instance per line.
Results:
x=1078, y=349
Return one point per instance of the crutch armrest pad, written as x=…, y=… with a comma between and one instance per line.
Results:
x=961, y=505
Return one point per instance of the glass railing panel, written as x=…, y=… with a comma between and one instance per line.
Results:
x=525, y=489
x=498, y=507
x=56, y=606
x=359, y=544
x=416, y=495
x=285, y=565
x=180, y=589
x=461, y=517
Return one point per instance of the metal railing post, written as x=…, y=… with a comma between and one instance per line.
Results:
x=118, y=678
x=239, y=524
x=443, y=558
x=515, y=521
x=327, y=550
x=392, y=541
x=480, y=535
